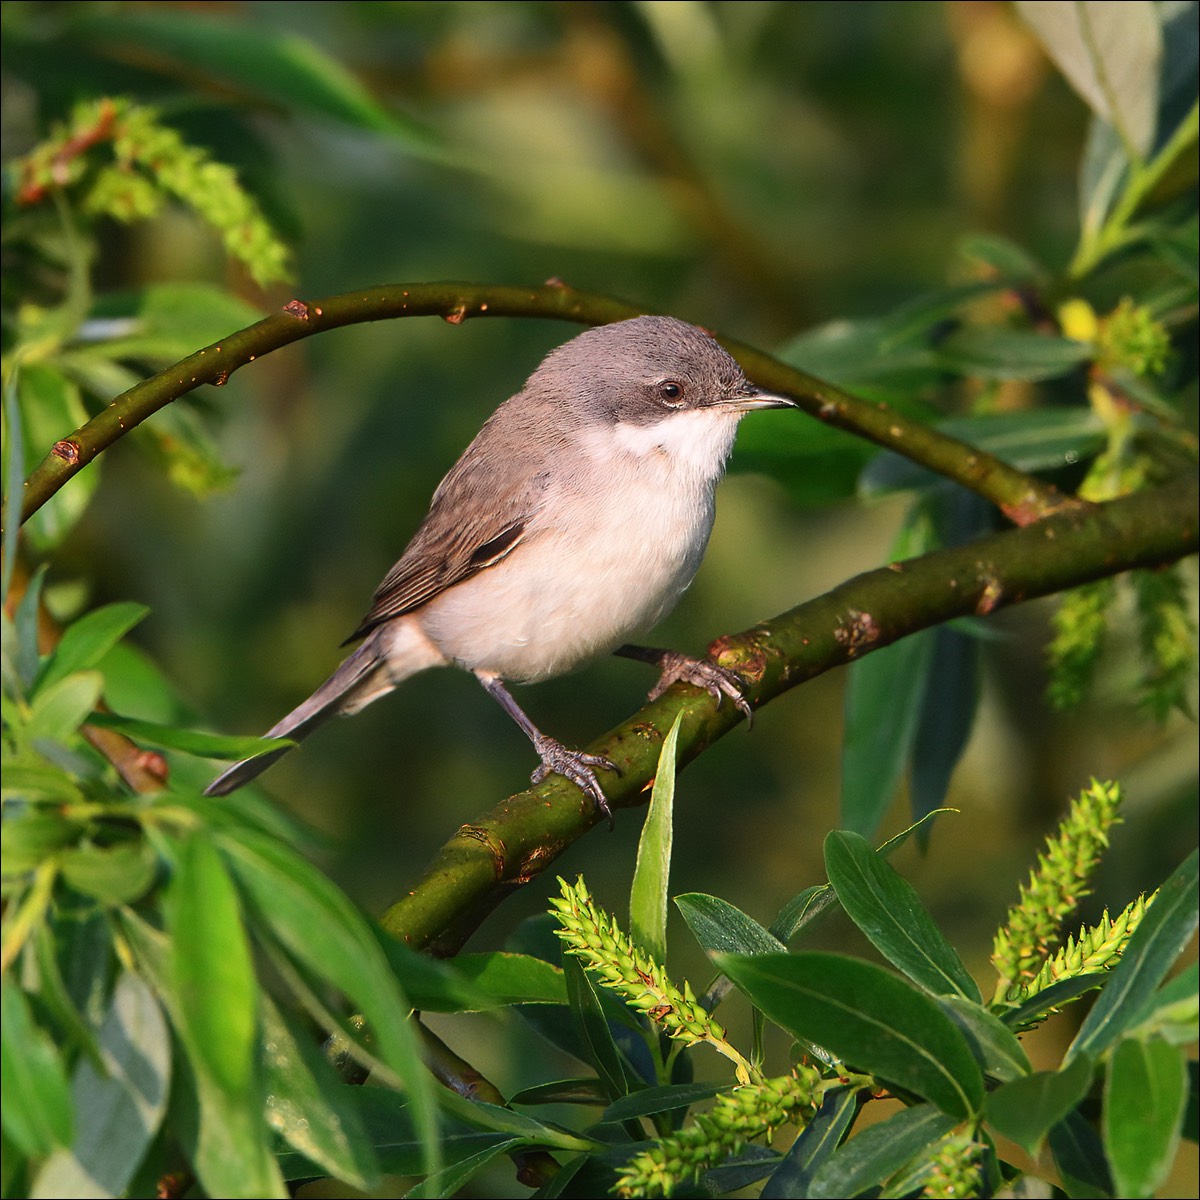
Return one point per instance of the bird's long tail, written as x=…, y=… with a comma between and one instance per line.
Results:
x=371, y=671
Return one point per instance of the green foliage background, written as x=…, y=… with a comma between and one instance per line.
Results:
x=759, y=168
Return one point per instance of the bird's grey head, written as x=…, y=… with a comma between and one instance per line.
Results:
x=641, y=371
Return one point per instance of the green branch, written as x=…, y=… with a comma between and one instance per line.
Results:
x=1021, y=497
x=524, y=834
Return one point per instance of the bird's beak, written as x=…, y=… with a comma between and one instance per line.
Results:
x=749, y=398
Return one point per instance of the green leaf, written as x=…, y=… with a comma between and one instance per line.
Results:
x=37, y=1111
x=1110, y=55
x=720, y=927
x=652, y=874
x=504, y=979
x=815, y=1145
x=309, y=1106
x=1172, y=1012
x=190, y=741
x=14, y=477
x=1036, y=439
x=946, y=720
x=318, y=927
x=883, y=695
x=878, y=1152
x=1055, y=996
x=1004, y=256
x=591, y=1026
x=499, y=1119
x=887, y=909
x=450, y=1180
x=113, y=875
x=57, y=711
x=1145, y=1093
x=86, y=641
x=1026, y=1109
x=51, y=409
x=165, y=322
x=585, y=1090
x=282, y=68
x=120, y=1109
x=1079, y=1156
x=859, y=355
x=997, y=1050
x=25, y=656
x=869, y=1018
x=211, y=971
x=801, y=909
x=473, y=982
x=651, y=1101
x=1152, y=950
x=993, y=352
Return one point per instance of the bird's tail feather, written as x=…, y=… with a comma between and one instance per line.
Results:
x=365, y=675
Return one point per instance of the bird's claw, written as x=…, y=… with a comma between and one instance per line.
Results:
x=577, y=767
x=716, y=681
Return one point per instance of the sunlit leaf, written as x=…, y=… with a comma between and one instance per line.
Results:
x=887, y=909
x=119, y=1110
x=1145, y=1093
x=652, y=872
x=867, y=1016
x=1110, y=54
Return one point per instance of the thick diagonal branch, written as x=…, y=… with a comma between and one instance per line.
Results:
x=523, y=835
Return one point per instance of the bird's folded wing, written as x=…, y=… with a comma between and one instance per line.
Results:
x=446, y=550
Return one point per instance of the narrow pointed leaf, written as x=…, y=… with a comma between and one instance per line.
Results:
x=1028, y=1108
x=85, y=642
x=315, y=924
x=719, y=927
x=1109, y=54
x=120, y=1109
x=310, y=1107
x=877, y=1153
x=887, y=909
x=651, y=875
x=815, y=1145
x=1079, y=1156
x=37, y=1100
x=867, y=1016
x=997, y=1050
x=883, y=703
x=1145, y=1094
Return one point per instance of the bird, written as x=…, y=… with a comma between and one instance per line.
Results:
x=573, y=521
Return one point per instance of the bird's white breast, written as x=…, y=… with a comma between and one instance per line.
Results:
x=618, y=538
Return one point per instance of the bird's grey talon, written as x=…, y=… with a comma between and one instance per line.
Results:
x=577, y=767
x=716, y=681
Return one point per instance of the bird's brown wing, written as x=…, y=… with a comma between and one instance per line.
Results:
x=446, y=549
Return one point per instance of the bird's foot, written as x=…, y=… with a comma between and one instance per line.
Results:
x=576, y=766
x=716, y=681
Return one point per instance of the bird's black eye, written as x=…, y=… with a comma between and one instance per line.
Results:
x=670, y=392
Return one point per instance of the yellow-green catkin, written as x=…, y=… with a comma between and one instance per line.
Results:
x=123, y=162
x=1054, y=890
x=1096, y=949
x=957, y=1168
x=609, y=954
x=737, y=1117
x=1080, y=629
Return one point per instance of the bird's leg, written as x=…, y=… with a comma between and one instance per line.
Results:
x=717, y=681
x=570, y=764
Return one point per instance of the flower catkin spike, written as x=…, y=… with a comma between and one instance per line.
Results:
x=1096, y=949
x=737, y=1117
x=605, y=950
x=957, y=1168
x=1054, y=890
